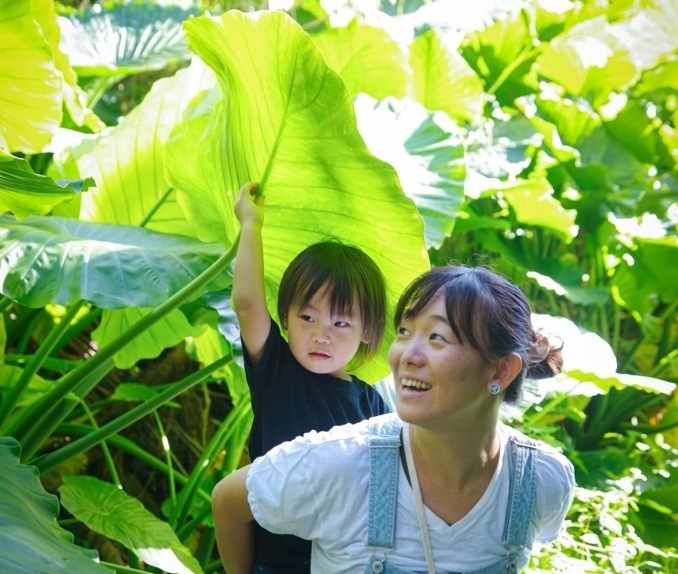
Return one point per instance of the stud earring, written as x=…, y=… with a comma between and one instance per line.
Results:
x=494, y=388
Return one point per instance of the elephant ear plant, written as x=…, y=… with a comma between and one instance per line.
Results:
x=135, y=254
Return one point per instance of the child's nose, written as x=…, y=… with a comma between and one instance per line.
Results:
x=320, y=334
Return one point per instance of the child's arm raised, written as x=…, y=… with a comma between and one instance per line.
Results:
x=249, y=296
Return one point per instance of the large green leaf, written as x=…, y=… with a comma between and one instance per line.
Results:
x=366, y=58
x=51, y=259
x=428, y=152
x=30, y=84
x=588, y=61
x=23, y=192
x=443, y=80
x=128, y=161
x=31, y=541
x=125, y=38
x=503, y=54
x=287, y=120
x=649, y=272
x=108, y=510
x=534, y=205
x=168, y=332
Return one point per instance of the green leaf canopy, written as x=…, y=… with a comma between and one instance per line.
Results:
x=287, y=120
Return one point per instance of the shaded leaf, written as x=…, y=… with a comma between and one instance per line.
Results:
x=30, y=539
x=51, y=259
x=124, y=38
x=428, y=152
x=106, y=509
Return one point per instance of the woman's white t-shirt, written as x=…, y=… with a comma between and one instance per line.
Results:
x=315, y=487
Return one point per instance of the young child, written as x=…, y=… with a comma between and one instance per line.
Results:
x=332, y=302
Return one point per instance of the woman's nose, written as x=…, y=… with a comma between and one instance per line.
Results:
x=411, y=353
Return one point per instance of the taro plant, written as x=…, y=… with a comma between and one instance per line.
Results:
x=534, y=137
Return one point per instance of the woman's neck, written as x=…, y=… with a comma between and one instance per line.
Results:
x=453, y=471
x=455, y=459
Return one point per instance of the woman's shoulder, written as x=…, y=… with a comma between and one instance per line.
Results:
x=550, y=461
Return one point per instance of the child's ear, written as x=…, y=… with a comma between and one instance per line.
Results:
x=366, y=338
x=284, y=322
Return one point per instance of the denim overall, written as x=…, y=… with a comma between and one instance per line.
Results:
x=384, y=442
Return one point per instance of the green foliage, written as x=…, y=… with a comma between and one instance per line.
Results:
x=535, y=137
x=30, y=538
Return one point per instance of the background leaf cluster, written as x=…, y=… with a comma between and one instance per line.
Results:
x=536, y=137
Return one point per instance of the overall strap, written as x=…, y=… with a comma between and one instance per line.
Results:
x=384, y=443
x=522, y=493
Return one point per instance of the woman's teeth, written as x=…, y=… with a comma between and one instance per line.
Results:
x=412, y=384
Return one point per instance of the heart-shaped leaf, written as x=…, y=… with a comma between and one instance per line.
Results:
x=287, y=120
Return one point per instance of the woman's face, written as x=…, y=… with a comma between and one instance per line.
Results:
x=438, y=379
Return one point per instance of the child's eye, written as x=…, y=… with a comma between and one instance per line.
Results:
x=402, y=331
x=341, y=324
x=306, y=318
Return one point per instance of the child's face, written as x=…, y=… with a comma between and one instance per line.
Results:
x=324, y=343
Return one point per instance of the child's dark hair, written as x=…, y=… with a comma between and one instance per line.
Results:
x=350, y=276
x=489, y=313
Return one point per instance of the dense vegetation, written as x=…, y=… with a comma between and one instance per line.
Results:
x=535, y=136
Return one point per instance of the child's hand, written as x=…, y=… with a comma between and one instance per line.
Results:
x=248, y=206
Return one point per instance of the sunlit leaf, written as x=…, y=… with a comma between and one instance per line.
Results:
x=367, y=59
x=24, y=192
x=128, y=161
x=30, y=84
x=588, y=60
x=168, y=332
x=502, y=54
x=443, y=80
x=299, y=137
x=534, y=204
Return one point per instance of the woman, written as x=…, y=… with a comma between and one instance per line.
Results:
x=441, y=487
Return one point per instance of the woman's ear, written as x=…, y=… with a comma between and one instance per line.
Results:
x=507, y=369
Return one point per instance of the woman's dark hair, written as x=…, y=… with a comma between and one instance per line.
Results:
x=351, y=278
x=489, y=313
